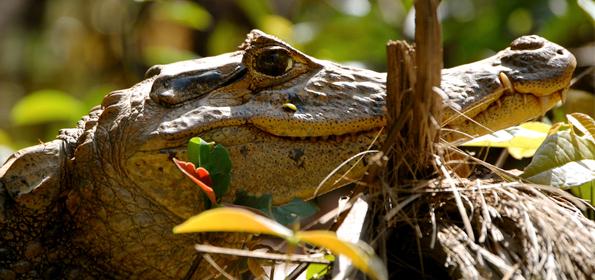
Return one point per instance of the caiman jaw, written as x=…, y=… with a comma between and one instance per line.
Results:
x=507, y=108
x=545, y=100
x=517, y=84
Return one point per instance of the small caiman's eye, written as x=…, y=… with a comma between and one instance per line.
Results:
x=273, y=62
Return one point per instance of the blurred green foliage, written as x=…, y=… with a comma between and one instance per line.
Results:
x=86, y=48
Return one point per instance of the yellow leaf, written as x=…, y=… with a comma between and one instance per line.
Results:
x=521, y=141
x=360, y=254
x=230, y=219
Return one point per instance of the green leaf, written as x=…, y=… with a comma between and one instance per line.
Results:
x=47, y=106
x=264, y=202
x=318, y=270
x=185, y=13
x=285, y=214
x=198, y=151
x=521, y=141
x=564, y=160
x=586, y=192
x=219, y=165
x=215, y=159
x=293, y=211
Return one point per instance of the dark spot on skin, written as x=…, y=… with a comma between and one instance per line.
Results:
x=296, y=155
x=170, y=153
x=244, y=151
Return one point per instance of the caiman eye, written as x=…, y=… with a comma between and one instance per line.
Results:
x=273, y=62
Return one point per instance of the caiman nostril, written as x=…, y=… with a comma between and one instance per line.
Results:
x=560, y=51
x=531, y=42
x=176, y=89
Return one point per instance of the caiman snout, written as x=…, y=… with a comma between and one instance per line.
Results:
x=169, y=90
x=537, y=66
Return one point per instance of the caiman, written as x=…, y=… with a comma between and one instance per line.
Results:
x=101, y=200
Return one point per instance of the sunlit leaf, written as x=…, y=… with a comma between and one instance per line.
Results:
x=360, y=254
x=199, y=151
x=47, y=106
x=564, y=160
x=521, y=141
x=227, y=219
x=583, y=122
x=184, y=12
x=319, y=270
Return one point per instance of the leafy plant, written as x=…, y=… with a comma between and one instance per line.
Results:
x=566, y=159
x=209, y=167
x=226, y=219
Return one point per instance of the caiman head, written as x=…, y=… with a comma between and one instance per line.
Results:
x=114, y=177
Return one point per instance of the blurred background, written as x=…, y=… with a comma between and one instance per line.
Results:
x=59, y=58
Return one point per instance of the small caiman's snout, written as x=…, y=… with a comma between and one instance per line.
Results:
x=537, y=66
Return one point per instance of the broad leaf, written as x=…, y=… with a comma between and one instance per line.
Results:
x=564, y=160
x=227, y=219
x=360, y=254
x=293, y=211
x=198, y=151
x=583, y=122
x=521, y=141
x=263, y=202
x=215, y=159
x=285, y=214
x=219, y=165
x=586, y=192
x=319, y=270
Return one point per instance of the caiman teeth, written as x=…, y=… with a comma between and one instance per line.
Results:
x=506, y=82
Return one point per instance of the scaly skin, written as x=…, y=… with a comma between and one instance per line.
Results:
x=102, y=199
